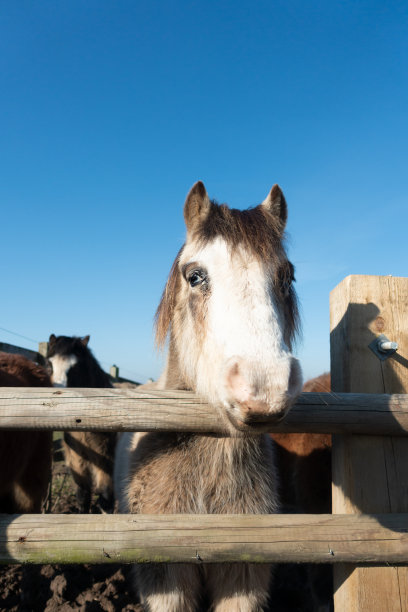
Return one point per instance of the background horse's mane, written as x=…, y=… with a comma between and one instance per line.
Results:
x=256, y=230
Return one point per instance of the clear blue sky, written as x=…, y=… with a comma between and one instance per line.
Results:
x=110, y=111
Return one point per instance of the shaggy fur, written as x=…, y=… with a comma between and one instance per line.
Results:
x=89, y=455
x=25, y=456
x=157, y=473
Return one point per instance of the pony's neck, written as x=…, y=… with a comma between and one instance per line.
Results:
x=172, y=377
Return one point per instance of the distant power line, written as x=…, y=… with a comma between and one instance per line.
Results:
x=19, y=335
x=135, y=374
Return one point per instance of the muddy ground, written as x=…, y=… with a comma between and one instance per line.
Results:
x=107, y=588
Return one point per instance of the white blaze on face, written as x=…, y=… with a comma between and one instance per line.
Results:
x=243, y=353
x=61, y=364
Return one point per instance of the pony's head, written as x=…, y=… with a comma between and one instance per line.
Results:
x=230, y=309
x=64, y=353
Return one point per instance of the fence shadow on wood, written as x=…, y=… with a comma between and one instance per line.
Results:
x=386, y=380
x=5, y=522
x=371, y=325
x=369, y=473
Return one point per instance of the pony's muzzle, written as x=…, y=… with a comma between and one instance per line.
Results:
x=266, y=399
x=257, y=413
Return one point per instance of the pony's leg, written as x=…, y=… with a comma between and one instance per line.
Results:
x=103, y=482
x=168, y=587
x=31, y=487
x=101, y=454
x=104, y=490
x=75, y=457
x=8, y=504
x=84, y=498
x=243, y=587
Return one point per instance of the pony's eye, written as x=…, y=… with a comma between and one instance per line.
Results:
x=196, y=278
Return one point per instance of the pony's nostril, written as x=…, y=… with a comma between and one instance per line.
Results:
x=234, y=371
x=237, y=384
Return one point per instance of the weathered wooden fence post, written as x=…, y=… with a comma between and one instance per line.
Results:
x=114, y=371
x=43, y=348
x=370, y=473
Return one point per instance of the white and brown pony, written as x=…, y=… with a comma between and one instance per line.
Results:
x=25, y=456
x=229, y=311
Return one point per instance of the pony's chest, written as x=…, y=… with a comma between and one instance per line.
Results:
x=204, y=475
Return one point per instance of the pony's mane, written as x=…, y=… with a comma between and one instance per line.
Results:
x=67, y=345
x=254, y=229
x=165, y=309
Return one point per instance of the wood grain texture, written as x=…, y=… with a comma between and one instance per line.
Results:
x=370, y=474
x=362, y=308
x=62, y=538
x=133, y=410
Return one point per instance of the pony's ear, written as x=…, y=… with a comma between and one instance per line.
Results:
x=52, y=339
x=85, y=340
x=275, y=204
x=197, y=206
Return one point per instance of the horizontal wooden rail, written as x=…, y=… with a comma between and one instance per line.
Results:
x=133, y=410
x=125, y=538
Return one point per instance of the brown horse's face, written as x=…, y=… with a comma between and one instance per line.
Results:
x=234, y=310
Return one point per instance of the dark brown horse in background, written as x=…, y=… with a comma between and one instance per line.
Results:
x=304, y=466
x=25, y=456
x=304, y=462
